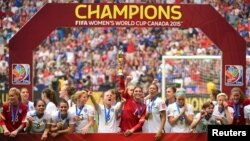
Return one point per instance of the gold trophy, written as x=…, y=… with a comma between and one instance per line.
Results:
x=120, y=63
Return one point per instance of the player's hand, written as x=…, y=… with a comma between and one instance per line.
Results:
x=54, y=134
x=13, y=133
x=76, y=118
x=6, y=132
x=203, y=113
x=44, y=136
x=2, y=117
x=85, y=130
x=225, y=104
x=155, y=81
x=183, y=109
x=158, y=136
x=128, y=132
x=89, y=93
x=123, y=100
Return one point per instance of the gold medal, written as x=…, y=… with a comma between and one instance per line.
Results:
x=106, y=123
x=150, y=116
x=81, y=117
x=181, y=122
x=38, y=125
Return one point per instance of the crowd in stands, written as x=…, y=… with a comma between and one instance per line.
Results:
x=80, y=56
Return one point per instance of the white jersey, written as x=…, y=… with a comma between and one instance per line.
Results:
x=167, y=126
x=223, y=114
x=154, y=121
x=108, y=122
x=38, y=124
x=70, y=103
x=86, y=112
x=214, y=102
x=50, y=108
x=30, y=106
x=202, y=125
x=180, y=126
x=247, y=112
x=56, y=118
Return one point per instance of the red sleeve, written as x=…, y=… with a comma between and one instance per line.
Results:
x=247, y=101
x=1, y=120
x=230, y=103
x=4, y=113
x=141, y=120
x=122, y=87
x=126, y=95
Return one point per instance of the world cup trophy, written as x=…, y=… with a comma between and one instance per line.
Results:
x=120, y=63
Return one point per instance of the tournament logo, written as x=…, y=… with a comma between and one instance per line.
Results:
x=21, y=74
x=85, y=110
x=234, y=75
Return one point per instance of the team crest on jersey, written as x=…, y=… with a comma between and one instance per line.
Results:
x=112, y=109
x=85, y=110
x=20, y=111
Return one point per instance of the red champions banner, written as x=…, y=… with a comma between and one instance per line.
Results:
x=129, y=15
x=111, y=137
x=53, y=15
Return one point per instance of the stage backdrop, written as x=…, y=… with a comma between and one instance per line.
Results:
x=51, y=16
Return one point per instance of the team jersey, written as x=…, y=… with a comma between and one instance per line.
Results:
x=239, y=112
x=84, y=113
x=180, y=125
x=223, y=114
x=38, y=125
x=56, y=118
x=14, y=116
x=30, y=106
x=202, y=125
x=108, y=119
x=154, y=107
x=131, y=114
x=50, y=108
x=247, y=112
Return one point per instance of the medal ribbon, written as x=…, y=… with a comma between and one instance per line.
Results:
x=14, y=117
x=139, y=107
x=237, y=110
x=78, y=113
x=27, y=104
x=178, y=108
x=60, y=117
x=107, y=114
x=150, y=107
